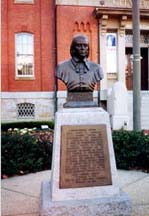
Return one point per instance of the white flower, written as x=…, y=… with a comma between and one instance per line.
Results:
x=15, y=129
x=10, y=129
x=23, y=131
x=30, y=129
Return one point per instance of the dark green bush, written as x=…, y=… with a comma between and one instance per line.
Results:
x=25, y=153
x=131, y=149
x=32, y=124
x=32, y=151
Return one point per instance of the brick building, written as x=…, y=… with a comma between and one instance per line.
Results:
x=36, y=35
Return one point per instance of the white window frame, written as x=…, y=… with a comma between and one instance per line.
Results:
x=24, y=1
x=16, y=63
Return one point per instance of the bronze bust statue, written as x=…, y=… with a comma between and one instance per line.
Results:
x=79, y=74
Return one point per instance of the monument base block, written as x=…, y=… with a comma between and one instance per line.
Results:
x=84, y=178
x=117, y=205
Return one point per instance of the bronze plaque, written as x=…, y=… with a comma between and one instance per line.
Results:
x=84, y=159
x=80, y=96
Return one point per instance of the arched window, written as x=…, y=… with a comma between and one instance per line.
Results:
x=25, y=110
x=24, y=43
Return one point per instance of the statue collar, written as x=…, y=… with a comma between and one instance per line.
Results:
x=75, y=61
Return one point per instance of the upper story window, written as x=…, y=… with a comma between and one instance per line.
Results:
x=24, y=54
x=24, y=1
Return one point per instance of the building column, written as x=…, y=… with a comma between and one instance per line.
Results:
x=102, y=44
x=121, y=50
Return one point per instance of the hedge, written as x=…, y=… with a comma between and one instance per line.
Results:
x=23, y=153
x=131, y=149
x=31, y=151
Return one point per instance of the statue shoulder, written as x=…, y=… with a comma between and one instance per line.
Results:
x=98, y=71
x=63, y=64
x=95, y=65
x=62, y=70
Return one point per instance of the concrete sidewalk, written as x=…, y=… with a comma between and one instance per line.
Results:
x=20, y=195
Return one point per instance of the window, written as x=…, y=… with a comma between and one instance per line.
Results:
x=111, y=52
x=24, y=55
x=25, y=110
x=144, y=38
x=24, y=1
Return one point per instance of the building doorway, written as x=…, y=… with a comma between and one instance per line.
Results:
x=144, y=69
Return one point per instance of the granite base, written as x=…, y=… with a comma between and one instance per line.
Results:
x=118, y=205
x=81, y=117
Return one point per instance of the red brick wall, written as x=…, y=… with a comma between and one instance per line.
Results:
x=38, y=18
x=35, y=18
x=73, y=20
x=4, y=47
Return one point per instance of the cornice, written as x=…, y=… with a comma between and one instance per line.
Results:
x=100, y=11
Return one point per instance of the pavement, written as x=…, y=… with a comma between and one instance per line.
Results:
x=20, y=194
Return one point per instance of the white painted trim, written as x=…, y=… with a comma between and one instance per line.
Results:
x=24, y=1
x=107, y=3
x=144, y=93
x=16, y=59
x=13, y=95
x=62, y=94
x=78, y=3
x=95, y=94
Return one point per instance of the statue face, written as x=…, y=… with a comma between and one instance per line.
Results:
x=81, y=47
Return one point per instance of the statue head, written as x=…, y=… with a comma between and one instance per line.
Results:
x=79, y=47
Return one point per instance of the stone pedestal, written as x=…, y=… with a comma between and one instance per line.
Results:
x=84, y=176
x=117, y=205
x=117, y=106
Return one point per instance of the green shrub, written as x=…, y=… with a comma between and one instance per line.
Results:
x=25, y=153
x=131, y=149
x=32, y=124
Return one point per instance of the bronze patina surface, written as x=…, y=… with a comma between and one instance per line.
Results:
x=80, y=96
x=84, y=160
x=80, y=99
x=78, y=73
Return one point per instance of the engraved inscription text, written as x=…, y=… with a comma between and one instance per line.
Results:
x=84, y=156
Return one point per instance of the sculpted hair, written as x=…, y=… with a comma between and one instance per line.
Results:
x=72, y=52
